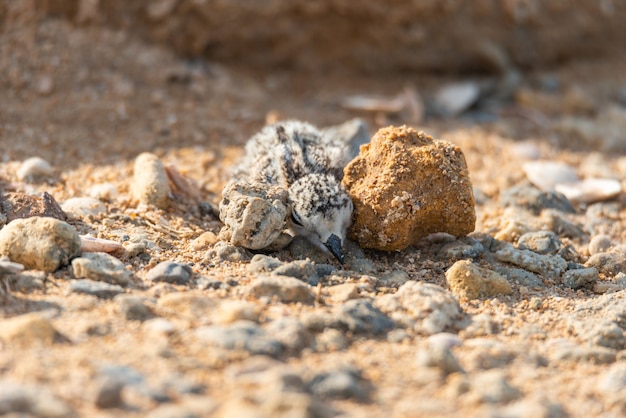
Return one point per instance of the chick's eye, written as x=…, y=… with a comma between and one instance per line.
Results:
x=295, y=218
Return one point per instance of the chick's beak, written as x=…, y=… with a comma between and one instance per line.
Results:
x=334, y=245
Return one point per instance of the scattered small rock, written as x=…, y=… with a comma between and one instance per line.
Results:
x=188, y=304
x=21, y=205
x=150, y=184
x=343, y=292
x=204, y=241
x=425, y=307
x=580, y=354
x=546, y=265
x=470, y=281
x=492, y=386
x=534, y=200
x=341, y=384
x=291, y=333
x=453, y=99
x=360, y=316
x=81, y=207
x=39, y=243
x=546, y=175
x=241, y=335
x=396, y=185
x=34, y=170
x=541, y=242
x=98, y=289
x=609, y=264
x=29, y=329
x=579, y=278
x=101, y=267
x=253, y=215
x=521, y=276
x=300, y=269
x=17, y=399
x=109, y=394
x=134, y=308
x=223, y=251
x=590, y=190
x=599, y=244
x=286, y=289
x=463, y=248
x=170, y=272
x=441, y=358
x=230, y=311
x=262, y=263
x=603, y=333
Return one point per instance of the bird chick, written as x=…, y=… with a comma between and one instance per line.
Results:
x=309, y=165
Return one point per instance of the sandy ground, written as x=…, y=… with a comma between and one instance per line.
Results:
x=89, y=100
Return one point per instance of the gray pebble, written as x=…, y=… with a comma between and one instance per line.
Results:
x=394, y=278
x=463, y=248
x=286, y=289
x=522, y=277
x=340, y=384
x=360, y=316
x=330, y=340
x=599, y=244
x=101, y=267
x=547, y=265
x=134, y=308
x=28, y=281
x=600, y=217
x=223, y=251
x=204, y=283
x=19, y=399
x=241, y=335
x=262, y=263
x=607, y=263
x=579, y=278
x=253, y=215
x=109, y=394
x=440, y=358
x=534, y=200
x=291, y=333
x=542, y=242
x=39, y=243
x=425, y=307
x=323, y=270
x=362, y=265
x=300, y=269
x=170, y=272
x=98, y=289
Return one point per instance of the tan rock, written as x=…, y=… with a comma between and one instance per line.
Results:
x=40, y=243
x=28, y=329
x=406, y=185
x=150, y=182
x=470, y=281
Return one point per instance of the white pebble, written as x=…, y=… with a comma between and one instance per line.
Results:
x=590, y=190
x=104, y=191
x=80, y=207
x=34, y=169
x=546, y=175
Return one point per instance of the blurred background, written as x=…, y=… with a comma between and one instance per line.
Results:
x=87, y=80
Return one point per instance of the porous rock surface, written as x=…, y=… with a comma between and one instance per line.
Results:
x=406, y=185
x=40, y=243
x=253, y=215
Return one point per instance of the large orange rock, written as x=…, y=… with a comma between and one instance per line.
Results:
x=406, y=185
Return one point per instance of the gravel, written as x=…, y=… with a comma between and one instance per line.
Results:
x=170, y=272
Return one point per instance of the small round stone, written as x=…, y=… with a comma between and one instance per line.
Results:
x=34, y=169
x=599, y=244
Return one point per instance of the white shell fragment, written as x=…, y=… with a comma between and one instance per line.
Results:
x=34, y=169
x=590, y=190
x=89, y=244
x=546, y=175
x=454, y=99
